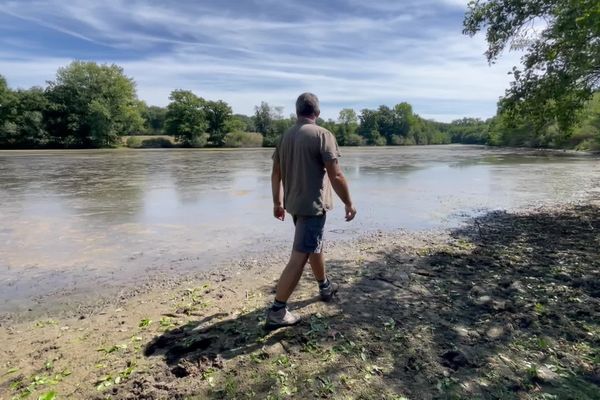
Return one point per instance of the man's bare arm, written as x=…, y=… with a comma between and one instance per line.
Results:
x=277, y=189
x=340, y=186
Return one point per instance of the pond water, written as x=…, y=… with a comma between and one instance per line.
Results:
x=108, y=216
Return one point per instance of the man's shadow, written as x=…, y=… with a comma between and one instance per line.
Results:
x=207, y=342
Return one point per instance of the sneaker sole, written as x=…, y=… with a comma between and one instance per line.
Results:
x=273, y=326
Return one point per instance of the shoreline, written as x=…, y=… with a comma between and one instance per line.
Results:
x=506, y=302
x=556, y=151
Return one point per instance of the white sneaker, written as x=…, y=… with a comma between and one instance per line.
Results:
x=280, y=318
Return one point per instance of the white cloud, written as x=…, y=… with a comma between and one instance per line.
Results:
x=360, y=61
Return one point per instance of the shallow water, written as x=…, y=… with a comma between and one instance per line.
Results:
x=79, y=220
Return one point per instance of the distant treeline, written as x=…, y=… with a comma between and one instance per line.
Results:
x=92, y=106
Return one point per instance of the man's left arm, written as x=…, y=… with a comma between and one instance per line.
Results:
x=277, y=189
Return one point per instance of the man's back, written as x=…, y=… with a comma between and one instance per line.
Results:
x=302, y=154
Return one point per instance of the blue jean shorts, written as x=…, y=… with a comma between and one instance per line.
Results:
x=309, y=233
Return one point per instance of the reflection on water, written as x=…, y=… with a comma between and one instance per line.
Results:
x=113, y=214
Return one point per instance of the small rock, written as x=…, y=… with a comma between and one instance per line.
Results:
x=501, y=305
x=483, y=300
x=517, y=286
x=546, y=375
x=495, y=332
x=275, y=350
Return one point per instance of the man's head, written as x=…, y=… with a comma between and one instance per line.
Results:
x=307, y=105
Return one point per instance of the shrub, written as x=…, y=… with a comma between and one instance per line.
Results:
x=134, y=142
x=354, y=140
x=243, y=139
x=156, y=142
x=197, y=141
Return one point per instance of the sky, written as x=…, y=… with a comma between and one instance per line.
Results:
x=351, y=53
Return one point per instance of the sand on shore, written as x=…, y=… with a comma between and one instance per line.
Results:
x=507, y=306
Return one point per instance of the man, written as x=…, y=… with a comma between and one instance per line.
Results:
x=305, y=167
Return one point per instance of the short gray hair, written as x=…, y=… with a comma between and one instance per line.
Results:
x=307, y=105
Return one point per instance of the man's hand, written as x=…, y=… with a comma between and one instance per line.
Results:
x=279, y=212
x=350, y=212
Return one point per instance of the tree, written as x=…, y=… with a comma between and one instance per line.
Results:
x=270, y=123
x=8, y=128
x=263, y=118
x=368, y=123
x=92, y=105
x=404, y=119
x=348, y=126
x=218, y=114
x=561, y=65
x=22, y=118
x=240, y=122
x=154, y=119
x=185, y=118
x=347, y=117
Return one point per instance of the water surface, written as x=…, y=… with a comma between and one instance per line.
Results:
x=71, y=220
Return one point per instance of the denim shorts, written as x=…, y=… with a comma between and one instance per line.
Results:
x=309, y=233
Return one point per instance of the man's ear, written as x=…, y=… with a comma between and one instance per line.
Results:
x=317, y=114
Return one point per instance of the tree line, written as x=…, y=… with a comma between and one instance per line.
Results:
x=90, y=105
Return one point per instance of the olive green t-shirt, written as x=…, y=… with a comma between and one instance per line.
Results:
x=302, y=153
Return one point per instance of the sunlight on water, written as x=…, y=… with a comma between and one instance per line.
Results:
x=67, y=215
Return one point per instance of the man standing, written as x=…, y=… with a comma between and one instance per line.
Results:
x=305, y=167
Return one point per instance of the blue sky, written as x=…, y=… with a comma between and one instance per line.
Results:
x=351, y=53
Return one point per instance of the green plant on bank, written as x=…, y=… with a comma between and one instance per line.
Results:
x=167, y=323
x=48, y=396
x=112, y=349
x=43, y=324
x=193, y=300
x=117, y=378
x=36, y=382
x=145, y=323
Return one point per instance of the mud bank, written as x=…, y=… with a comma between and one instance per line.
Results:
x=507, y=306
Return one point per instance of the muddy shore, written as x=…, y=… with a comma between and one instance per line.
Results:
x=505, y=307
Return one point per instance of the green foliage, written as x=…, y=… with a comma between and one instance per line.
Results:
x=561, y=63
x=157, y=142
x=398, y=126
x=243, y=139
x=22, y=118
x=346, y=132
x=218, y=114
x=186, y=119
x=133, y=142
x=469, y=131
x=154, y=119
x=507, y=129
x=586, y=134
x=91, y=105
x=240, y=122
x=269, y=122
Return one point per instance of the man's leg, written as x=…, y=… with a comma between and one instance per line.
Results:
x=290, y=276
x=317, y=264
x=326, y=288
x=278, y=315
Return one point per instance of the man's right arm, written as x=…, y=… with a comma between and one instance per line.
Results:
x=340, y=186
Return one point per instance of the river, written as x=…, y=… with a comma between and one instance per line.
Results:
x=73, y=221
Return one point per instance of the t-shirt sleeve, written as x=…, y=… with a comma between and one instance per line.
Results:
x=329, y=147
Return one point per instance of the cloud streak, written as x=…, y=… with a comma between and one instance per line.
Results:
x=350, y=54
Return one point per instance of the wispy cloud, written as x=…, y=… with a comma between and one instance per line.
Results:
x=351, y=53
